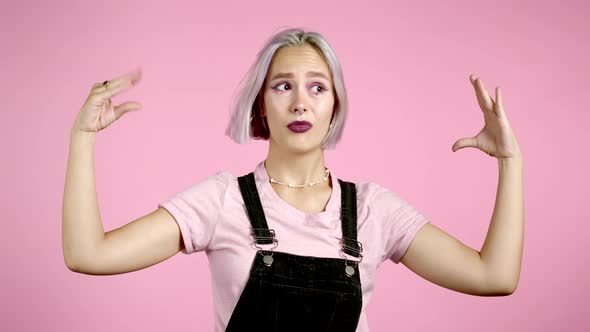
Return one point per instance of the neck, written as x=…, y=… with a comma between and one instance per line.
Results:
x=295, y=168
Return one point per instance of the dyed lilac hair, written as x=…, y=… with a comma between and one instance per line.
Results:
x=246, y=119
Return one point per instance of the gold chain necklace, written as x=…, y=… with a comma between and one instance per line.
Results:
x=303, y=185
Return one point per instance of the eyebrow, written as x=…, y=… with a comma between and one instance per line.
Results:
x=309, y=74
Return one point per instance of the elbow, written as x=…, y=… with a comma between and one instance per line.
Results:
x=505, y=291
x=508, y=288
x=77, y=260
x=77, y=268
x=511, y=283
x=501, y=282
x=501, y=285
x=511, y=288
x=71, y=265
x=76, y=263
x=69, y=259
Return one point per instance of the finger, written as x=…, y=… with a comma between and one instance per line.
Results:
x=126, y=107
x=483, y=99
x=133, y=76
x=114, y=86
x=484, y=93
x=97, y=88
x=499, y=106
x=119, y=86
x=480, y=100
x=464, y=143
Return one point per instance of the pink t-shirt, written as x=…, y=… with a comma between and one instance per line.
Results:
x=212, y=218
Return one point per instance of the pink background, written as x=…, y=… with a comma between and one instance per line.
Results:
x=406, y=68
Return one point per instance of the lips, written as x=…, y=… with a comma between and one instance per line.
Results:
x=299, y=126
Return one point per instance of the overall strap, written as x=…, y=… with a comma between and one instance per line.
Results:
x=350, y=245
x=260, y=231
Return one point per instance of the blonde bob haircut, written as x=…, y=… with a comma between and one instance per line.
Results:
x=246, y=120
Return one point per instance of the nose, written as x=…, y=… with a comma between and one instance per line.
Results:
x=300, y=105
x=299, y=109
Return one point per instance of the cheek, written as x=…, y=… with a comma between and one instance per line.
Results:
x=274, y=102
x=326, y=101
x=327, y=108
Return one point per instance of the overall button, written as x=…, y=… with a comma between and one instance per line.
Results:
x=349, y=271
x=267, y=260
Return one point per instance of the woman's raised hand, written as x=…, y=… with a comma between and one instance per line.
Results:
x=98, y=112
x=496, y=138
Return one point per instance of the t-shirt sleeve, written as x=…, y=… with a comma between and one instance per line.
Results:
x=401, y=223
x=196, y=210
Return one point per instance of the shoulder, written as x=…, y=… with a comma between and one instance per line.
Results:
x=368, y=190
x=373, y=194
x=214, y=183
x=220, y=178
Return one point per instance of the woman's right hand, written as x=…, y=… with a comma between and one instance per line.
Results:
x=98, y=111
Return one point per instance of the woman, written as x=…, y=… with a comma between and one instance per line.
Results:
x=291, y=246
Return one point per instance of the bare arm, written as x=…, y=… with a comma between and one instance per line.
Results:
x=495, y=270
x=82, y=229
x=87, y=249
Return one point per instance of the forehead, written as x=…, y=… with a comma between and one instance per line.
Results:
x=298, y=60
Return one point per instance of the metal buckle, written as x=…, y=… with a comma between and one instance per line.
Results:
x=343, y=255
x=265, y=253
x=349, y=269
x=271, y=231
x=275, y=242
x=353, y=249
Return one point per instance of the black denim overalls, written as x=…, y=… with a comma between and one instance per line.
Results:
x=287, y=292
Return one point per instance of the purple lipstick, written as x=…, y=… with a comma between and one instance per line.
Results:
x=299, y=126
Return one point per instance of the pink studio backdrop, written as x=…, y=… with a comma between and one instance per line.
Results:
x=406, y=68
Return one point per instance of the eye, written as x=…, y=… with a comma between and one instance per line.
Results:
x=276, y=87
x=320, y=88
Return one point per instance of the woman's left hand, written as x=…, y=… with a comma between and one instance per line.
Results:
x=496, y=138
